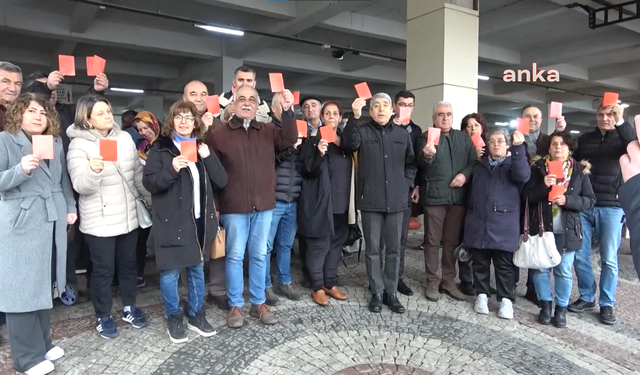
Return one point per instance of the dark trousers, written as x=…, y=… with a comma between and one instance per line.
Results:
x=465, y=272
x=406, y=216
x=503, y=268
x=216, y=279
x=332, y=262
x=30, y=338
x=302, y=250
x=141, y=250
x=443, y=226
x=317, y=250
x=107, y=255
x=388, y=227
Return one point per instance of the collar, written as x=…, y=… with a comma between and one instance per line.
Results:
x=236, y=123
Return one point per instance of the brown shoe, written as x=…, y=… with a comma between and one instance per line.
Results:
x=320, y=297
x=235, y=319
x=432, y=293
x=454, y=292
x=262, y=312
x=335, y=293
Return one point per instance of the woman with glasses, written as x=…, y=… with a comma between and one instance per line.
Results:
x=182, y=187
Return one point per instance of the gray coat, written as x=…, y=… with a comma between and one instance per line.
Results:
x=29, y=207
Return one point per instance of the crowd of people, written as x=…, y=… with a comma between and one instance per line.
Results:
x=216, y=196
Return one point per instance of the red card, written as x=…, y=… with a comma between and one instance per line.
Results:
x=43, y=146
x=109, y=149
x=67, y=65
x=190, y=150
x=477, y=140
x=555, y=168
x=233, y=94
x=302, y=127
x=327, y=133
x=363, y=90
x=556, y=191
x=405, y=115
x=296, y=97
x=433, y=135
x=523, y=125
x=95, y=65
x=555, y=109
x=277, y=82
x=610, y=98
x=213, y=104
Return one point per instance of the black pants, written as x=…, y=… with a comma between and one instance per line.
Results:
x=30, y=338
x=503, y=268
x=141, y=250
x=386, y=226
x=302, y=249
x=107, y=255
x=465, y=272
x=317, y=252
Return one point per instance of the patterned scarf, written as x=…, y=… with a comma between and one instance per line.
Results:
x=495, y=162
x=152, y=122
x=567, y=172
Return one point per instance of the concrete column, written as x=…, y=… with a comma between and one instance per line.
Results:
x=223, y=75
x=442, y=58
x=155, y=105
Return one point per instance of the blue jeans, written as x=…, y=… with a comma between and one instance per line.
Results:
x=246, y=232
x=283, y=233
x=562, y=275
x=607, y=224
x=195, y=289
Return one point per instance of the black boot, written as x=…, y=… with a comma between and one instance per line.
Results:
x=467, y=288
x=560, y=317
x=544, y=317
x=404, y=288
x=375, y=305
x=394, y=304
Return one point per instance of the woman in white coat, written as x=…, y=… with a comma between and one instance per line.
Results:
x=36, y=205
x=107, y=191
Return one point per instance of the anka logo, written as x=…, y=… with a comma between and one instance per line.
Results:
x=533, y=75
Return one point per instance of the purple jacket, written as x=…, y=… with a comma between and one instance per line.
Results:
x=493, y=208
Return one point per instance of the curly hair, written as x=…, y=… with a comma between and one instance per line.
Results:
x=479, y=118
x=567, y=138
x=176, y=109
x=17, y=109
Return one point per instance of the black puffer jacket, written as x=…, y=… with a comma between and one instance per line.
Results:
x=288, y=178
x=603, y=151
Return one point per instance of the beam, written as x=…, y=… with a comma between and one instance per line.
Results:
x=368, y=26
x=82, y=15
x=573, y=72
x=66, y=47
x=353, y=63
x=625, y=83
x=614, y=70
x=527, y=12
x=273, y=9
x=40, y=23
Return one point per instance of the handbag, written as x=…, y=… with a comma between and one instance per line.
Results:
x=142, y=210
x=538, y=251
x=217, y=249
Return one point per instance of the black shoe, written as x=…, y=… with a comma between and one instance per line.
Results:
x=221, y=302
x=375, y=305
x=200, y=325
x=560, y=317
x=467, y=288
x=531, y=295
x=607, y=316
x=175, y=329
x=581, y=306
x=544, y=317
x=394, y=304
x=404, y=288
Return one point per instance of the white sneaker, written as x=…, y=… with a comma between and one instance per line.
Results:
x=54, y=354
x=506, y=309
x=42, y=368
x=481, y=305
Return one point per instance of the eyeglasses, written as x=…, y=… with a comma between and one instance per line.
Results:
x=498, y=142
x=187, y=119
x=408, y=105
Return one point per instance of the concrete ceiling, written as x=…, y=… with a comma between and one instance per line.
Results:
x=160, y=55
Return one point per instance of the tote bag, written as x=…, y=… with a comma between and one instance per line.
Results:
x=536, y=251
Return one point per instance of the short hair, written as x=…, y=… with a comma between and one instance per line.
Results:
x=442, y=103
x=500, y=131
x=16, y=110
x=527, y=107
x=328, y=103
x=252, y=88
x=476, y=116
x=9, y=67
x=614, y=108
x=127, y=118
x=244, y=69
x=33, y=77
x=177, y=108
x=567, y=138
x=84, y=107
x=404, y=94
x=381, y=95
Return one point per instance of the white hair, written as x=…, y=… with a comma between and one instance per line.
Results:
x=442, y=103
x=381, y=95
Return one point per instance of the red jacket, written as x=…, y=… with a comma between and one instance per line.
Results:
x=249, y=157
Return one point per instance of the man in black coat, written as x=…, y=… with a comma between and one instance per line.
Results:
x=386, y=172
x=628, y=194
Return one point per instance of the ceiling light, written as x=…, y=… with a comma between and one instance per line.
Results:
x=337, y=54
x=502, y=123
x=624, y=105
x=218, y=29
x=513, y=123
x=575, y=132
x=482, y=77
x=133, y=91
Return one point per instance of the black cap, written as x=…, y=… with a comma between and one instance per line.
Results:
x=309, y=98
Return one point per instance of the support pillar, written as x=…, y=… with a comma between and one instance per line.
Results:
x=155, y=105
x=442, y=58
x=223, y=73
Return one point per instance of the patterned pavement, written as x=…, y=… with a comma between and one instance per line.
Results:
x=346, y=339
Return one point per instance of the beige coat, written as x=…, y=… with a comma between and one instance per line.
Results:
x=107, y=207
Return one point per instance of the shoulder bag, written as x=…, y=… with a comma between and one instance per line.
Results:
x=143, y=212
x=538, y=251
